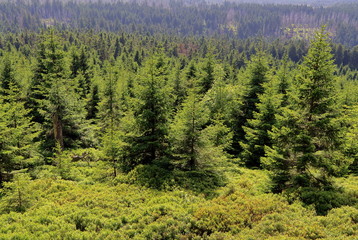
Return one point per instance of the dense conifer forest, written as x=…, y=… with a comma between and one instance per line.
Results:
x=178, y=120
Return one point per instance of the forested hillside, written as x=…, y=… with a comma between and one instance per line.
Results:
x=292, y=2
x=173, y=17
x=116, y=130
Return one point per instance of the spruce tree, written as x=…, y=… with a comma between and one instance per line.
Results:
x=257, y=129
x=117, y=49
x=92, y=103
x=7, y=76
x=185, y=131
x=207, y=79
x=219, y=102
x=152, y=112
x=18, y=147
x=308, y=136
x=109, y=115
x=179, y=90
x=53, y=101
x=80, y=71
x=264, y=118
x=256, y=74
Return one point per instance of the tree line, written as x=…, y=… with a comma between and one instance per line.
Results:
x=235, y=20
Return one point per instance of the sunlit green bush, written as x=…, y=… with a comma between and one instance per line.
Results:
x=187, y=205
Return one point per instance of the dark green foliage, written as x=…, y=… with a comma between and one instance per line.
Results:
x=92, y=103
x=257, y=129
x=326, y=199
x=7, y=76
x=256, y=78
x=307, y=149
x=80, y=69
x=151, y=112
x=207, y=80
x=110, y=105
x=110, y=113
x=186, y=130
x=17, y=133
x=179, y=89
x=53, y=101
x=351, y=144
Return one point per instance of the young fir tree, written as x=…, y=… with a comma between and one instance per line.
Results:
x=92, y=103
x=207, y=79
x=218, y=100
x=110, y=115
x=7, y=76
x=257, y=129
x=38, y=86
x=283, y=77
x=17, y=195
x=53, y=101
x=117, y=49
x=257, y=75
x=351, y=145
x=307, y=140
x=152, y=112
x=18, y=148
x=80, y=71
x=190, y=75
x=178, y=88
x=185, y=131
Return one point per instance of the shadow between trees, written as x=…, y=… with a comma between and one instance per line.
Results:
x=200, y=181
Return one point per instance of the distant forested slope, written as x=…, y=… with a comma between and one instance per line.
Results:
x=228, y=19
x=296, y=2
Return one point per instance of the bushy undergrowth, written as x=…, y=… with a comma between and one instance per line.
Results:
x=83, y=201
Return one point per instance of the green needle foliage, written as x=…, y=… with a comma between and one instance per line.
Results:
x=152, y=111
x=257, y=74
x=186, y=131
x=53, y=100
x=307, y=149
x=257, y=129
x=18, y=134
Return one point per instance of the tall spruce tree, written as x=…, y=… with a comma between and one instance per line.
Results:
x=18, y=148
x=53, y=101
x=256, y=73
x=257, y=129
x=80, y=70
x=152, y=112
x=308, y=136
x=207, y=80
x=219, y=101
x=185, y=131
x=110, y=115
x=92, y=103
x=7, y=76
x=264, y=118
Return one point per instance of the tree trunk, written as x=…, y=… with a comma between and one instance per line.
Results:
x=58, y=129
x=114, y=165
x=19, y=199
